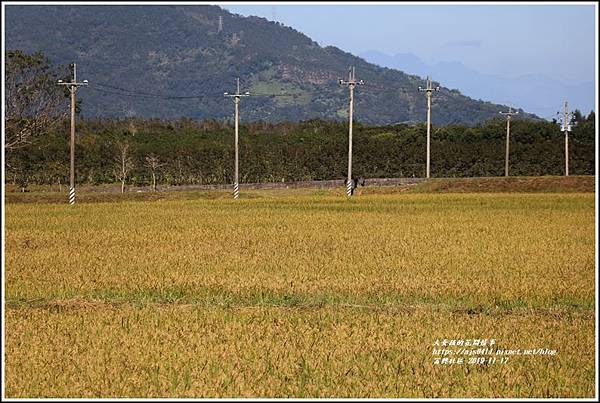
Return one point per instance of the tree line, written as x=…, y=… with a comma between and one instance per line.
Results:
x=147, y=152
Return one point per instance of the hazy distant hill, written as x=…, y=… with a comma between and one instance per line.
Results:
x=179, y=51
x=536, y=93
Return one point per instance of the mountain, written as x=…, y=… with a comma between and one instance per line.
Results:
x=536, y=93
x=172, y=61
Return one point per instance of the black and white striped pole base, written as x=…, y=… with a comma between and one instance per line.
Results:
x=71, y=195
x=349, y=188
x=236, y=191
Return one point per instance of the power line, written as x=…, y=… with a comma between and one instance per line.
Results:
x=112, y=89
x=120, y=93
x=278, y=95
x=154, y=95
x=124, y=91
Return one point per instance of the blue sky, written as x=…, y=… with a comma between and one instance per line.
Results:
x=555, y=40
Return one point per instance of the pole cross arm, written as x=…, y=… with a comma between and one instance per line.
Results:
x=509, y=113
x=352, y=82
x=237, y=93
x=247, y=94
x=73, y=83
x=429, y=88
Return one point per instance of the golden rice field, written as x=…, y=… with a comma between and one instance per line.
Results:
x=303, y=296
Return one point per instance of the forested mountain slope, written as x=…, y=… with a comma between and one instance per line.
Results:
x=172, y=61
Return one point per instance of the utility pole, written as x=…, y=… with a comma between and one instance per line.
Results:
x=508, y=118
x=72, y=89
x=236, y=99
x=567, y=119
x=351, y=83
x=428, y=91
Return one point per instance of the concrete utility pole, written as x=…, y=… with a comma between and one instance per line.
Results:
x=236, y=99
x=428, y=91
x=508, y=118
x=73, y=89
x=351, y=83
x=567, y=119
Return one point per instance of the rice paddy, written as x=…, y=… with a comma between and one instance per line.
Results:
x=300, y=296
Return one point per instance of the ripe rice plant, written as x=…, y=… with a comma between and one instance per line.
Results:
x=312, y=296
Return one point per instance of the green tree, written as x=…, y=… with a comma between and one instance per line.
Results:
x=591, y=117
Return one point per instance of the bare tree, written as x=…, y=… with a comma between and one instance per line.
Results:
x=57, y=171
x=34, y=103
x=153, y=163
x=123, y=163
